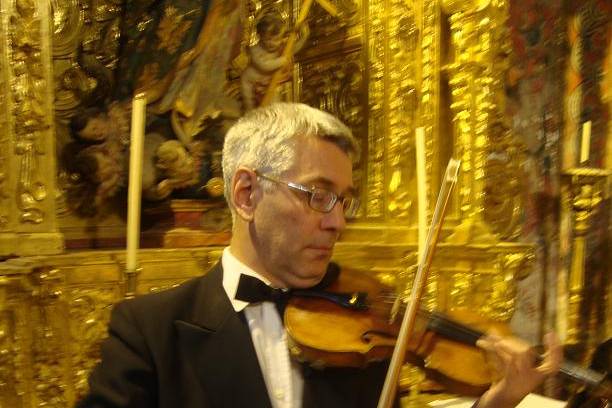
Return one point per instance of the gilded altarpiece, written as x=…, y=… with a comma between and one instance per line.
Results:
x=383, y=66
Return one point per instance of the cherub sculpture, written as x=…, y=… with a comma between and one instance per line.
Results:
x=266, y=57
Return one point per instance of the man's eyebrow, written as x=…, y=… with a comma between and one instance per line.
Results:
x=327, y=183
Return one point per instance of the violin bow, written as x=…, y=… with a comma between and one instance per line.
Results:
x=387, y=395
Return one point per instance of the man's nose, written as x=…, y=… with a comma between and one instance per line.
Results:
x=335, y=219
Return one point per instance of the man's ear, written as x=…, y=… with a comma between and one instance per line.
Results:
x=244, y=193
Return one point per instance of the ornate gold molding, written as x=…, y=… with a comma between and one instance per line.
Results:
x=11, y=347
x=27, y=156
x=377, y=128
x=49, y=340
x=54, y=313
x=29, y=99
x=403, y=83
x=476, y=74
x=91, y=307
x=5, y=123
x=586, y=189
x=335, y=85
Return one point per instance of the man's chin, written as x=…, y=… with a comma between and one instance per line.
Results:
x=306, y=278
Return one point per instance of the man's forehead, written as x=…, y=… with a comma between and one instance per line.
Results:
x=329, y=183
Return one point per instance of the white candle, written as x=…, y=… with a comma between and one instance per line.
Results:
x=421, y=188
x=139, y=104
x=586, y=141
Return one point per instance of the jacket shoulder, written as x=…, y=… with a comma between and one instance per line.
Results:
x=173, y=303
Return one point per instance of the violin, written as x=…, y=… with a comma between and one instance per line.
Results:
x=352, y=330
x=348, y=325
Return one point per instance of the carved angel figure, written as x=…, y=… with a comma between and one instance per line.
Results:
x=266, y=57
x=175, y=168
x=102, y=161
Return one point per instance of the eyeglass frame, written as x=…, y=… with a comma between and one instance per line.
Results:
x=353, y=201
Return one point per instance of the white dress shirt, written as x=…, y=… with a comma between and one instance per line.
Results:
x=282, y=375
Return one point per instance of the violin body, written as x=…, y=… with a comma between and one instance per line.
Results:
x=461, y=368
x=325, y=334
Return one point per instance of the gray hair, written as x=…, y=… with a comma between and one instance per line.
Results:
x=264, y=139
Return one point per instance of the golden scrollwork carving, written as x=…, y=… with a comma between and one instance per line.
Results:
x=89, y=312
x=8, y=366
x=587, y=187
x=4, y=138
x=54, y=313
x=476, y=72
x=429, y=101
x=10, y=389
x=481, y=278
x=374, y=171
x=402, y=75
x=502, y=199
x=335, y=86
x=48, y=340
x=396, y=72
x=29, y=100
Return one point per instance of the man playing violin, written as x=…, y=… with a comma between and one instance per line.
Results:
x=211, y=341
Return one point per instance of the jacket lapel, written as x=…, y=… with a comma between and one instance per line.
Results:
x=216, y=344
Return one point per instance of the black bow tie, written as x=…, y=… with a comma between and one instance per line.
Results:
x=252, y=290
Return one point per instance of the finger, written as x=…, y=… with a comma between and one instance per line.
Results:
x=487, y=342
x=553, y=356
x=516, y=353
x=499, y=360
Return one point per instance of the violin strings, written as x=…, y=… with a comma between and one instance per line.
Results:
x=438, y=322
x=453, y=328
x=458, y=327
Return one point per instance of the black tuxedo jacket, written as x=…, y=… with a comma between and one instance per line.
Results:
x=187, y=347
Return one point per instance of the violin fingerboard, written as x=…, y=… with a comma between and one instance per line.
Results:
x=453, y=330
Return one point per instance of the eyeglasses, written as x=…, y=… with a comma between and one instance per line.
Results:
x=320, y=199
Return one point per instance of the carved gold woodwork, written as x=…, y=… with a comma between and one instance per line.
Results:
x=403, y=76
x=5, y=182
x=479, y=277
x=374, y=165
x=27, y=152
x=475, y=66
x=54, y=313
x=29, y=96
x=586, y=189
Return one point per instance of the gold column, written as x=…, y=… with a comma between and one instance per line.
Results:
x=475, y=66
x=27, y=141
x=587, y=187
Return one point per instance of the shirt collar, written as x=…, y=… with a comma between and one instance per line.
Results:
x=232, y=269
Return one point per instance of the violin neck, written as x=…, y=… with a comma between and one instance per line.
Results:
x=452, y=330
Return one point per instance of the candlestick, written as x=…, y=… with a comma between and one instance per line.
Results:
x=421, y=189
x=139, y=104
x=586, y=141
